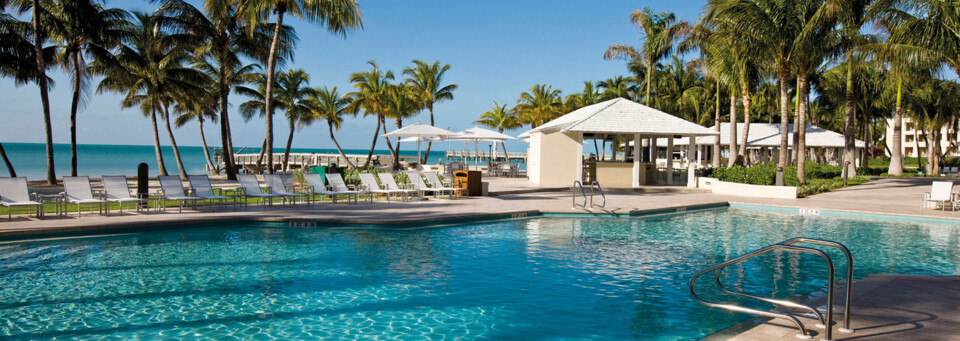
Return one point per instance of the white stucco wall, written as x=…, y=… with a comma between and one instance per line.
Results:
x=554, y=158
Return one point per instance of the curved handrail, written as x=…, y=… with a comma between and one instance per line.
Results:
x=604, y=196
x=849, y=294
x=577, y=183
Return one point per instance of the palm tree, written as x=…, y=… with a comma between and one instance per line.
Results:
x=328, y=105
x=716, y=67
x=150, y=68
x=255, y=106
x=616, y=87
x=539, y=105
x=933, y=106
x=200, y=107
x=293, y=87
x=500, y=118
x=222, y=40
x=659, y=32
x=17, y=60
x=589, y=96
x=82, y=28
x=39, y=31
x=370, y=97
x=427, y=82
x=402, y=101
x=337, y=17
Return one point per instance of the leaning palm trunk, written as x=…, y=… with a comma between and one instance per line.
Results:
x=44, y=95
x=896, y=150
x=383, y=124
x=6, y=161
x=376, y=133
x=286, y=152
x=161, y=167
x=336, y=144
x=801, y=128
x=263, y=151
x=732, y=158
x=173, y=143
x=716, y=126
x=396, y=160
x=268, y=92
x=74, y=106
x=225, y=138
x=426, y=156
x=742, y=153
x=206, y=150
x=849, y=129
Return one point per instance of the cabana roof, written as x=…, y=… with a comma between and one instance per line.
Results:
x=622, y=116
x=768, y=135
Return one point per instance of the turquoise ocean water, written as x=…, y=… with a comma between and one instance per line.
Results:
x=547, y=278
x=29, y=159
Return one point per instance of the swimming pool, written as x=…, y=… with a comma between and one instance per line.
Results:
x=552, y=277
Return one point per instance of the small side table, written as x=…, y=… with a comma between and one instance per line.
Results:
x=55, y=199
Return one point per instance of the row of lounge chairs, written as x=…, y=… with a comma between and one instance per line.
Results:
x=79, y=191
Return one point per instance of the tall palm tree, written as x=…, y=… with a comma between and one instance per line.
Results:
x=150, y=69
x=500, y=118
x=17, y=60
x=616, y=87
x=222, y=40
x=254, y=105
x=660, y=30
x=328, y=105
x=589, y=96
x=539, y=105
x=934, y=105
x=82, y=28
x=336, y=16
x=40, y=35
x=293, y=88
x=427, y=82
x=200, y=107
x=715, y=67
x=370, y=97
x=402, y=102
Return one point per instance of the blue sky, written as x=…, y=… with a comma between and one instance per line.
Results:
x=496, y=50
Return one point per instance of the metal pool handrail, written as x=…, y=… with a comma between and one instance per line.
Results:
x=786, y=246
x=576, y=184
x=604, y=196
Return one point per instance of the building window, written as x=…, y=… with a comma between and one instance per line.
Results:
x=908, y=151
x=909, y=138
x=909, y=126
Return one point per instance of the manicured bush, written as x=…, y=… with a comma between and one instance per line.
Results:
x=820, y=178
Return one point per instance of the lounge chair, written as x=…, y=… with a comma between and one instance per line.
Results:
x=250, y=188
x=77, y=190
x=417, y=181
x=171, y=188
x=14, y=193
x=276, y=186
x=941, y=192
x=200, y=184
x=117, y=190
x=390, y=184
x=318, y=187
x=439, y=185
x=370, y=182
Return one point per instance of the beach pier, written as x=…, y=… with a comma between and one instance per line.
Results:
x=248, y=161
x=464, y=156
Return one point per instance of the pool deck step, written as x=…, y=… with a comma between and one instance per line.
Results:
x=885, y=307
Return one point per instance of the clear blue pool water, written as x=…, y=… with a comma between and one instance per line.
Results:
x=541, y=278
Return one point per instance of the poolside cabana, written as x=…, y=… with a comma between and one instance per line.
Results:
x=555, y=157
x=763, y=143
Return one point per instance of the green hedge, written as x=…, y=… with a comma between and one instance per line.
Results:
x=820, y=178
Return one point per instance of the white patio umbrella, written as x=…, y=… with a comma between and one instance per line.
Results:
x=478, y=135
x=419, y=131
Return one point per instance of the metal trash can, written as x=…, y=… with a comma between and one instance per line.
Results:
x=471, y=180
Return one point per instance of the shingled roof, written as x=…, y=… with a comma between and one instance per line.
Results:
x=622, y=116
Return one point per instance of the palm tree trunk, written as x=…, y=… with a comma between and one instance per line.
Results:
x=6, y=161
x=732, y=159
x=286, y=152
x=649, y=75
x=263, y=151
x=715, y=162
x=506, y=157
x=383, y=124
x=932, y=153
x=867, y=136
x=849, y=128
x=429, y=144
x=44, y=96
x=226, y=139
x=74, y=106
x=161, y=167
x=336, y=144
x=203, y=142
x=173, y=143
x=896, y=149
x=801, y=128
x=268, y=99
x=742, y=153
x=783, y=74
x=396, y=160
x=796, y=120
x=376, y=133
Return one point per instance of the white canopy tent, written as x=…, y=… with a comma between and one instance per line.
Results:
x=478, y=135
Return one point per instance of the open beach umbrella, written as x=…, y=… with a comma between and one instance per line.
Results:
x=478, y=135
x=419, y=131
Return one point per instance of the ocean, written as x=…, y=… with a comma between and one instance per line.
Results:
x=29, y=159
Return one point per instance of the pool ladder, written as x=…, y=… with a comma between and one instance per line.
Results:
x=788, y=245
x=588, y=200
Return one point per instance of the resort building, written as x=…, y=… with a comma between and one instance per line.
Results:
x=555, y=157
x=913, y=140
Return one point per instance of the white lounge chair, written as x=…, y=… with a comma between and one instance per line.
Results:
x=117, y=190
x=276, y=186
x=336, y=188
x=417, y=181
x=370, y=182
x=439, y=185
x=14, y=193
x=390, y=183
x=200, y=184
x=250, y=188
x=171, y=188
x=941, y=192
x=77, y=190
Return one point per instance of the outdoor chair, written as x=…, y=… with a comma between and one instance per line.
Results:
x=276, y=186
x=440, y=185
x=171, y=188
x=200, y=184
x=14, y=193
x=250, y=188
x=390, y=183
x=317, y=186
x=77, y=190
x=370, y=182
x=941, y=193
x=417, y=181
x=117, y=190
